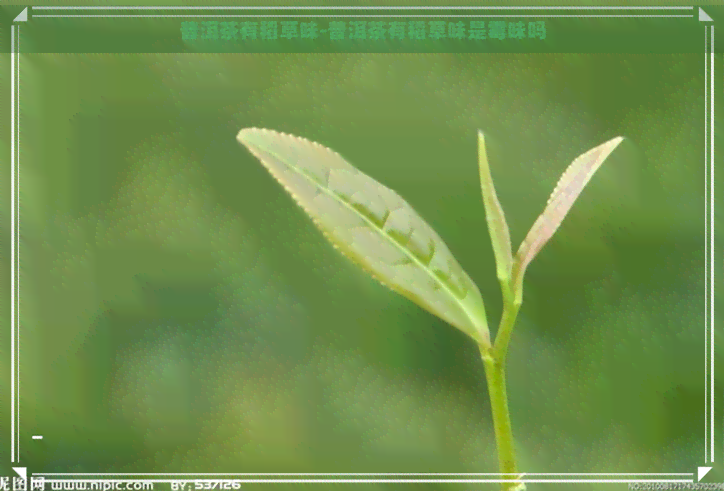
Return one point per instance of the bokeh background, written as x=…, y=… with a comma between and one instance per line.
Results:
x=181, y=314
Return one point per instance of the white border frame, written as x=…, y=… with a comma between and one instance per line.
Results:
x=687, y=12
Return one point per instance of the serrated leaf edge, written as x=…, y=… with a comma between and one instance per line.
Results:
x=484, y=335
x=524, y=256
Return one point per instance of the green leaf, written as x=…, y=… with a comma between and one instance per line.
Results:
x=497, y=226
x=569, y=187
x=373, y=226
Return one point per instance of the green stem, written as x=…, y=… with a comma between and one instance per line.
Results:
x=494, y=359
x=507, y=321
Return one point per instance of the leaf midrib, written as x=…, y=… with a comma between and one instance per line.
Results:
x=326, y=190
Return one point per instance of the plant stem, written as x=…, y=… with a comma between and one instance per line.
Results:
x=494, y=360
x=505, y=330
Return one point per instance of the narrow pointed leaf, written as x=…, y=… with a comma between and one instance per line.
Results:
x=569, y=187
x=373, y=226
x=497, y=226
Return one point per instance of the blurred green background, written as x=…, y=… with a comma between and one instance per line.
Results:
x=181, y=314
